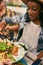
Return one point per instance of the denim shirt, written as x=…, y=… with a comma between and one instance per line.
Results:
x=40, y=41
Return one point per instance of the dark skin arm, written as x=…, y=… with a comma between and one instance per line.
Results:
x=40, y=55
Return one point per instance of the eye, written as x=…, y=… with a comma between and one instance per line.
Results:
x=28, y=8
x=34, y=8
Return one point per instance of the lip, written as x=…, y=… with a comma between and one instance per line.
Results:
x=31, y=16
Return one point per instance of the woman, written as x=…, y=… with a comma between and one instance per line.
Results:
x=33, y=30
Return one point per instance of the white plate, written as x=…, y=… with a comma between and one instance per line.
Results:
x=21, y=52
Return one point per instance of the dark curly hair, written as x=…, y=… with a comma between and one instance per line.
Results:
x=41, y=13
x=41, y=18
x=1, y=0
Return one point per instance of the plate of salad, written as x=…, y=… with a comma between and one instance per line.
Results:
x=14, y=51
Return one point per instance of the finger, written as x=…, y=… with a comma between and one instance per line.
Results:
x=9, y=64
x=7, y=61
x=1, y=63
x=1, y=33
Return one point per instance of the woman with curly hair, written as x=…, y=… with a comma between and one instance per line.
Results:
x=33, y=29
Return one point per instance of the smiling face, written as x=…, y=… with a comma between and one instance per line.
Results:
x=2, y=4
x=33, y=10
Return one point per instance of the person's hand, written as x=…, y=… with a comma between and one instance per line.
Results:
x=0, y=29
x=1, y=62
x=13, y=27
x=40, y=55
x=7, y=27
x=5, y=32
x=2, y=24
x=36, y=59
x=1, y=33
x=7, y=62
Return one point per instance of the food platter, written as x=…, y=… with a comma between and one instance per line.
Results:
x=15, y=52
x=21, y=51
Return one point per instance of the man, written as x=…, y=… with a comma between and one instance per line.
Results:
x=3, y=21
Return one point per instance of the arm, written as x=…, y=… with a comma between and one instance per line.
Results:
x=2, y=25
x=13, y=27
x=37, y=61
x=40, y=55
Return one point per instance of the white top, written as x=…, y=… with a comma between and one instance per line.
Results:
x=30, y=36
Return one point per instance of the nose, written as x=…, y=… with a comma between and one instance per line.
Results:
x=3, y=4
x=30, y=12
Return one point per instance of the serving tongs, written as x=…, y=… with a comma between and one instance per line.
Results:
x=28, y=54
x=25, y=48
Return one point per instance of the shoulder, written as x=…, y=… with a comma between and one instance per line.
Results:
x=26, y=26
x=41, y=31
x=41, y=34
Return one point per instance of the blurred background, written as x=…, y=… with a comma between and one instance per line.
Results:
x=16, y=5
x=15, y=2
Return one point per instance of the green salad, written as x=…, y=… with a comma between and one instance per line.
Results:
x=9, y=55
x=4, y=46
